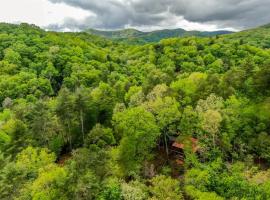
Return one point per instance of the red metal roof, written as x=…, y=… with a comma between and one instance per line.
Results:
x=178, y=145
x=194, y=140
x=180, y=162
x=181, y=145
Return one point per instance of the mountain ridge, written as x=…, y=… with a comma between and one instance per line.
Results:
x=136, y=36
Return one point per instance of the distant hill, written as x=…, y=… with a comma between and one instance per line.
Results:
x=126, y=33
x=135, y=36
x=266, y=26
x=259, y=36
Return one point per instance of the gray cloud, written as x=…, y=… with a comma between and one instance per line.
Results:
x=115, y=14
x=235, y=13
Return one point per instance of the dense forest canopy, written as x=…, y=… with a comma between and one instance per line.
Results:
x=83, y=117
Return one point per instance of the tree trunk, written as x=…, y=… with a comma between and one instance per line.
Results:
x=166, y=144
x=214, y=140
x=82, y=124
x=69, y=136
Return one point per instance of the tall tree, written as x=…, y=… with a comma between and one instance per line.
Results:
x=137, y=137
x=65, y=112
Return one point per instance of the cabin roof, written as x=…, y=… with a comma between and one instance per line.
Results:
x=178, y=145
x=194, y=142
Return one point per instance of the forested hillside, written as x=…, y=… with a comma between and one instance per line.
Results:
x=133, y=36
x=83, y=117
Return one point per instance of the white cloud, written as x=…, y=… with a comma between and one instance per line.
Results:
x=39, y=12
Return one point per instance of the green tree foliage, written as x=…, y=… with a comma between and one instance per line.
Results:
x=165, y=188
x=65, y=112
x=199, y=195
x=134, y=191
x=50, y=184
x=112, y=190
x=24, y=170
x=137, y=138
x=100, y=136
x=104, y=98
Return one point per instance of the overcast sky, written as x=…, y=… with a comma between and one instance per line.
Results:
x=75, y=15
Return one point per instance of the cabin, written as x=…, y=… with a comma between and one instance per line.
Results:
x=181, y=146
x=175, y=149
